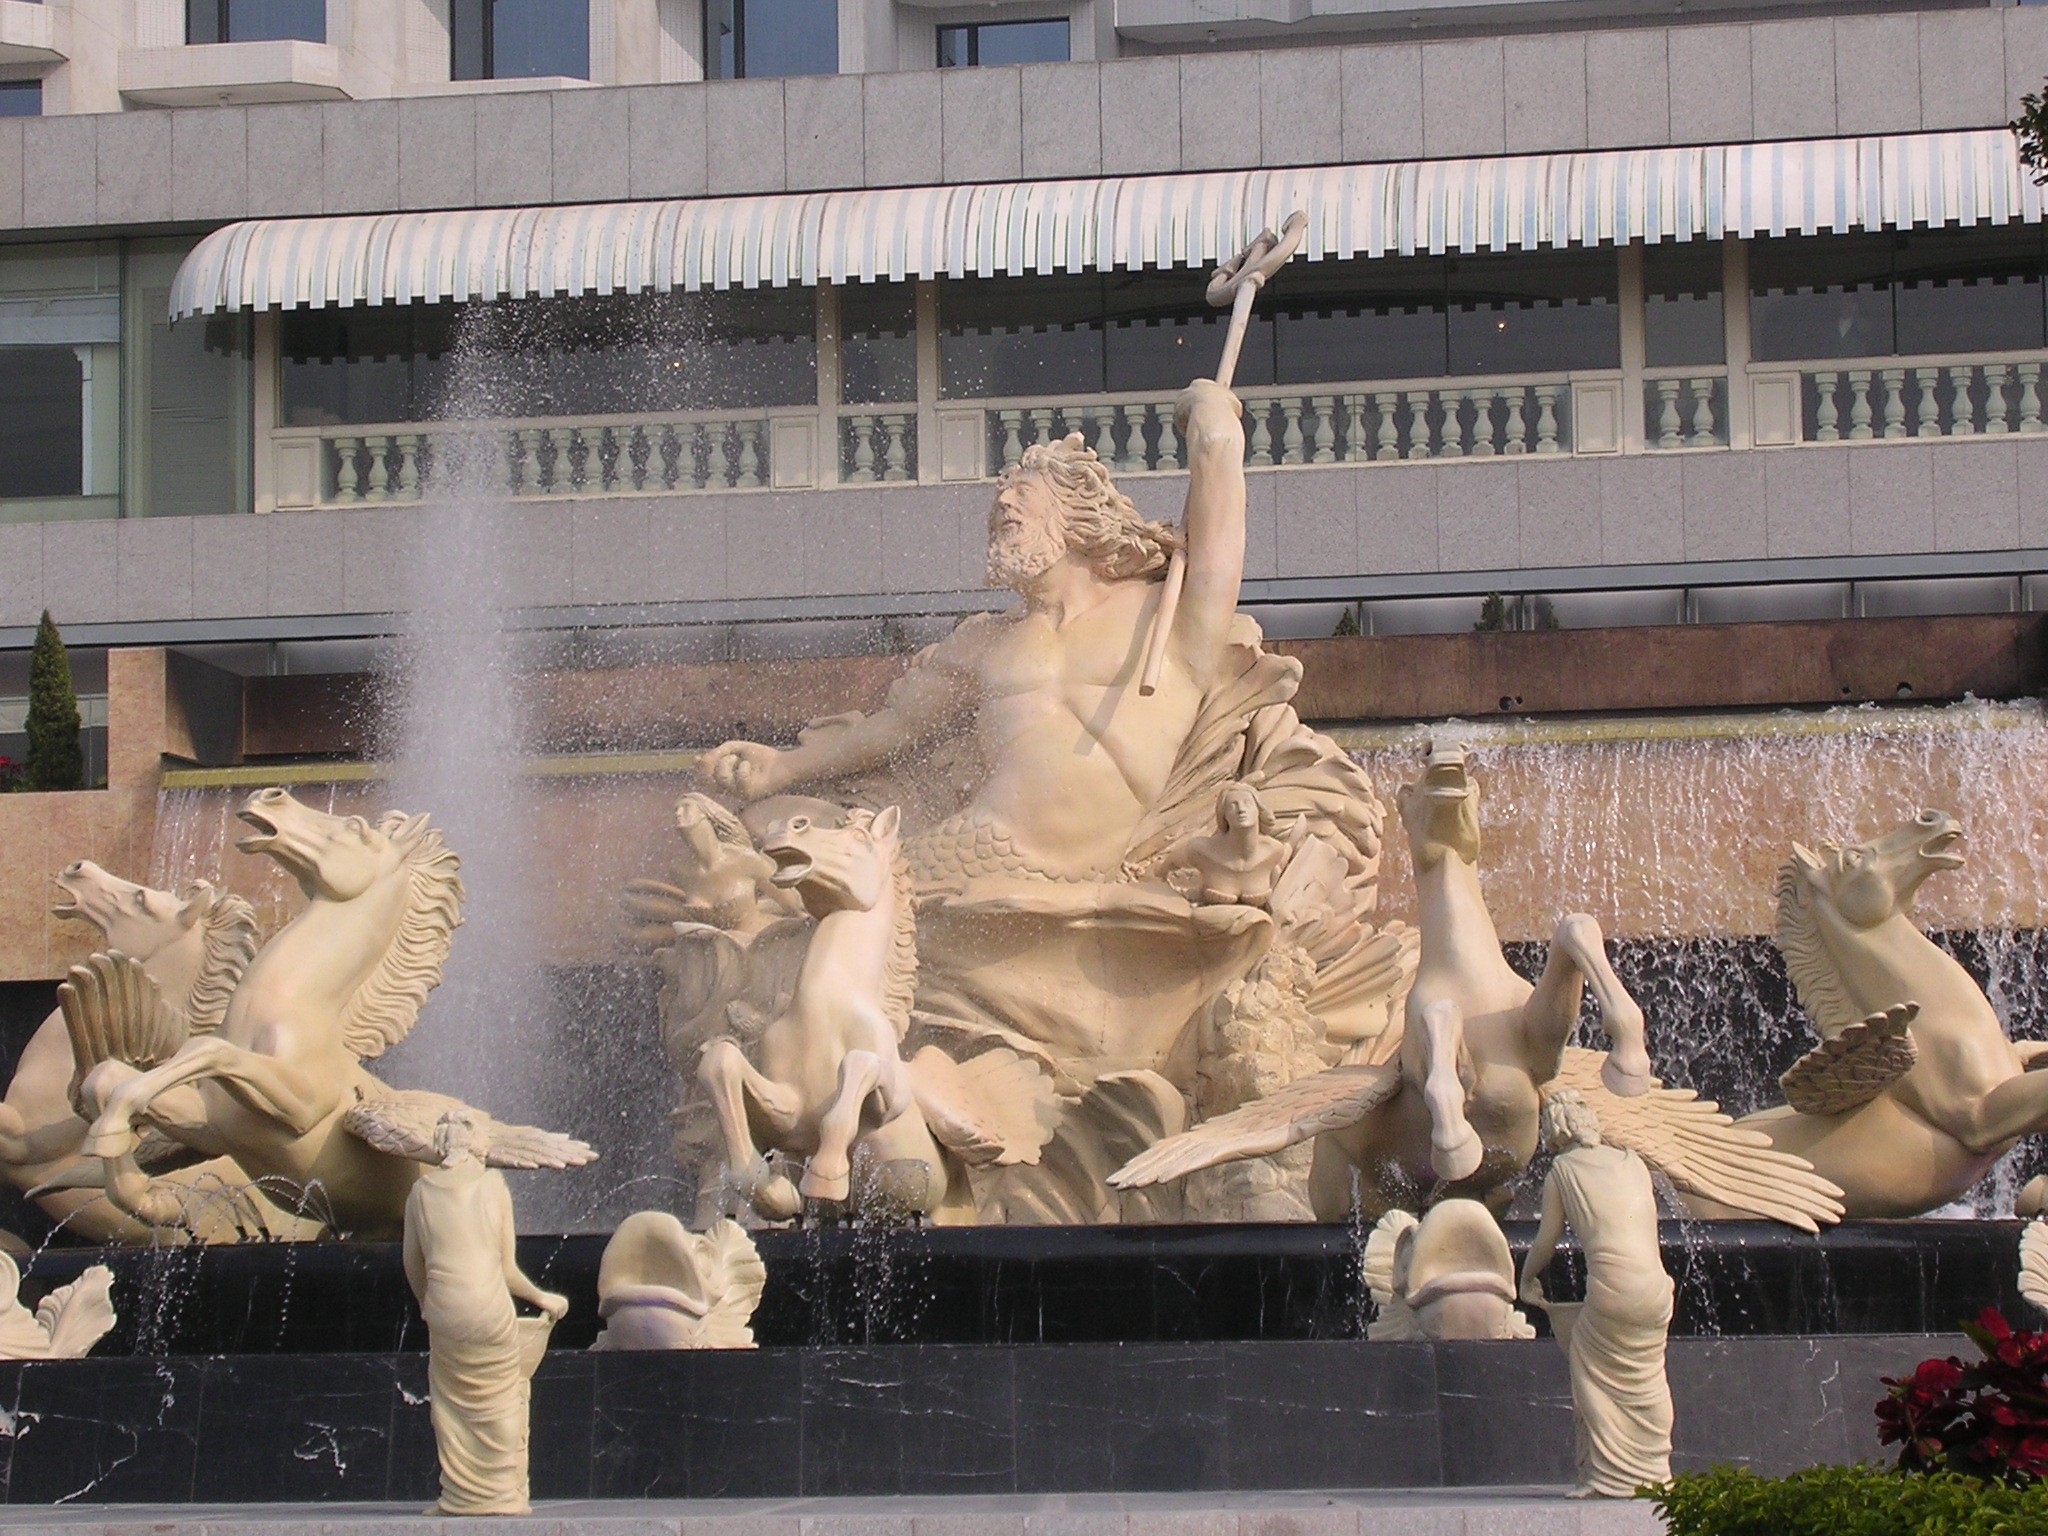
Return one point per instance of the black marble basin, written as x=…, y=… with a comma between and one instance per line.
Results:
x=1057, y=1285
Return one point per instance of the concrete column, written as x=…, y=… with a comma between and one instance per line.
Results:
x=1735, y=325
x=1630, y=258
x=826, y=457
x=928, y=382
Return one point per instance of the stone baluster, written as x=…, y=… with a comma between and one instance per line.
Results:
x=1419, y=434
x=2030, y=397
x=671, y=450
x=751, y=466
x=610, y=454
x=408, y=466
x=1826, y=414
x=1894, y=402
x=1706, y=432
x=577, y=452
x=1859, y=406
x=1516, y=430
x=1667, y=414
x=1167, y=455
x=512, y=453
x=1132, y=455
x=896, y=458
x=1546, y=418
x=1042, y=424
x=1351, y=439
x=1927, y=417
x=638, y=450
x=1325, y=439
x=1962, y=410
x=861, y=428
x=348, y=475
x=1453, y=437
x=537, y=455
x=1098, y=430
x=1997, y=409
x=379, y=487
x=1292, y=444
x=1389, y=434
x=1484, y=442
x=1260, y=447
x=1013, y=436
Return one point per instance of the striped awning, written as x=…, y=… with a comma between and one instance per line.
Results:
x=1008, y=229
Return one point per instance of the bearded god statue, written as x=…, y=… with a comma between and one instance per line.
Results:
x=1046, y=796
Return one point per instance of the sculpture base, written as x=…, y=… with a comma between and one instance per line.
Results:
x=1052, y=1285
x=922, y=1419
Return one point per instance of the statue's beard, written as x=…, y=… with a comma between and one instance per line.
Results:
x=1017, y=556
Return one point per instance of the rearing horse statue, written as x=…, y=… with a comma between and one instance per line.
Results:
x=1903, y=1122
x=279, y=1085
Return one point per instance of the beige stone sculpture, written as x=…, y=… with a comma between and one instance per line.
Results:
x=195, y=948
x=1615, y=1338
x=662, y=1286
x=1915, y=1090
x=1044, y=791
x=2034, y=1265
x=1447, y=1276
x=1239, y=863
x=827, y=1078
x=481, y=1355
x=1449, y=1106
x=279, y=1083
x=65, y=1324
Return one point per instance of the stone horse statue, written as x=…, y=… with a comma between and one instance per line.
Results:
x=194, y=948
x=827, y=1077
x=278, y=1083
x=1448, y=1105
x=1915, y=1091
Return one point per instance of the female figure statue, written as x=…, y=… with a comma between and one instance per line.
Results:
x=481, y=1355
x=1621, y=1401
x=1240, y=862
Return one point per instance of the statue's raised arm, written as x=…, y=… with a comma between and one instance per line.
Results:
x=1210, y=419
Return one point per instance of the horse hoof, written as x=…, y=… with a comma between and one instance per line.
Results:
x=819, y=1186
x=777, y=1200
x=1460, y=1161
x=1626, y=1082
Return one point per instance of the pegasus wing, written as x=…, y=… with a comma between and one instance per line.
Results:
x=399, y=1121
x=1702, y=1151
x=114, y=1011
x=528, y=1146
x=704, y=969
x=77, y=1316
x=996, y=1108
x=733, y=1277
x=2034, y=1265
x=652, y=909
x=1853, y=1068
x=1308, y=1106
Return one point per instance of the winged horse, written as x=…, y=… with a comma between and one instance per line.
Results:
x=279, y=1084
x=1447, y=1105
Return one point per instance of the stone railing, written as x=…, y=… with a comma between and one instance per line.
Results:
x=878, y=444
x=359, y=465
x=1356, y=424
x=1908, y=397
x=1686, y=410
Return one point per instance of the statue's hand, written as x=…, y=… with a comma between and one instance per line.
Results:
x=1532, y=1291
x=556, y=1306
x=744, y=768
x=1206, y=409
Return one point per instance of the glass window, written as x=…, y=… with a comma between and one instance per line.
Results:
x=1682, y=323
x=519, y=39
x=762, y=39
x=878, y=343
x=42, y=423
x=618, y=356
x=1000, y=337
x=21, y=98
x=1820, y=296
x=60, y=379
x=188, y=393
x=1003, y=42
x=255, y=21
x=1336, y=321
x=1159, y=332
x=1968, y=290
x=1533, y=311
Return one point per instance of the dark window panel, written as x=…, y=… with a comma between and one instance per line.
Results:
x=956, y=47
x=1820, y=296
x=1004, y=42
x=255, y=21
x=42, y=422
x=1339, y=321
x=762, y=39
x=518, y=39
x=1160, y=331
x=21, y=98
x=1533, y=312
x=1000, y=337
x=878, y=343
x=1968, y=290
x=1683, y=325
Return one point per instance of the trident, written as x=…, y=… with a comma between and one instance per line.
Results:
x=1236, y=283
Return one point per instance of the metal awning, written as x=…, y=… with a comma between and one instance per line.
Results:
x=1008, y=229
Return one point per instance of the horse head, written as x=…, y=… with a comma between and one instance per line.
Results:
x=836, y=869
x=1834, y=907
x=334, y=858
x=1440, y=810
x=136, y=919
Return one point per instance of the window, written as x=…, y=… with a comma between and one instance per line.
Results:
x=1533, y=311
x=1003, y=42
x=759, y=39
x=732, y=350
x=519, y=39
x=1682, y=324
x=21, y=98
x=42, y=423
x=1821, y=296
x=255, y=21
x=878, y=343
x=60, y=379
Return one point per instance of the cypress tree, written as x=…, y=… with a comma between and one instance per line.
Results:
x=54, y=758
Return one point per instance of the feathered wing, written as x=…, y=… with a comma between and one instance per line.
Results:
x=1702, y=1151
x=114, y=1011
x=997, y=1108
x=1308, y=1106
x=401, y=1121
x=733, y=1276
x=2034, y=1265
x=1856, y=1065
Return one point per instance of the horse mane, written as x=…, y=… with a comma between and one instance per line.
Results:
x=386, y=1006
x=1812, y=969
x=899, y=979
x=228, y=936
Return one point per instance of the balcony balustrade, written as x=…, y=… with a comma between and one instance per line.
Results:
x=1688, y=410
x=1935, y=398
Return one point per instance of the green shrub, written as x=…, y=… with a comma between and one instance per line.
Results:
x=1848, y=1501
x=55, y=760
